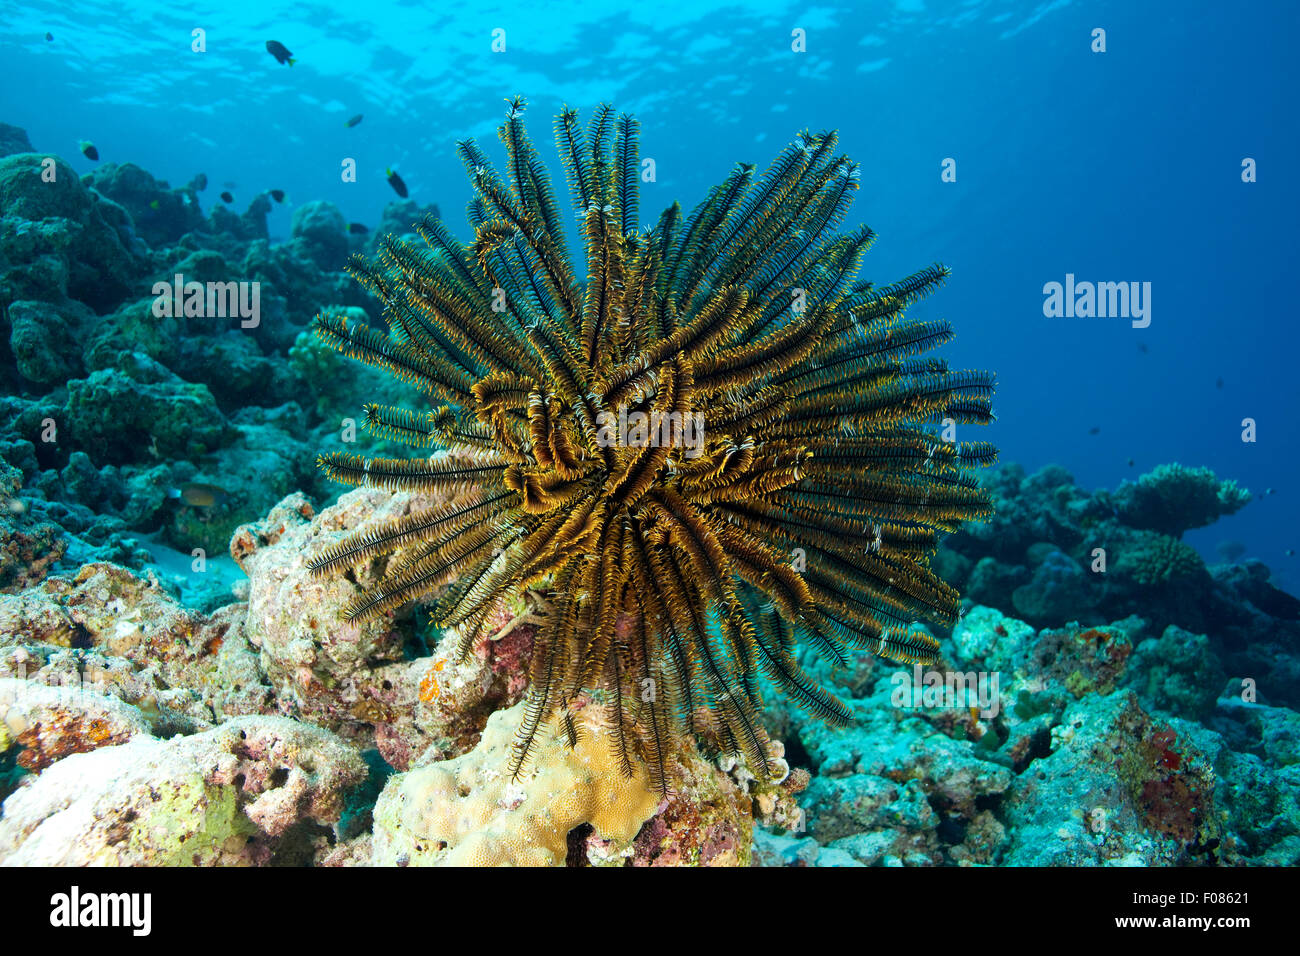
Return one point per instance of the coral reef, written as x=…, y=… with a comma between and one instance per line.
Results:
x=1172, y=499
x=107, y=406
x=573, y=804
x=1053, y=554
x=29, y=546
x=1066, y=767
x=254, y=791
x=177, y=687
x=129, y=638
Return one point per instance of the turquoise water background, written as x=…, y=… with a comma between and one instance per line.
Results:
x=1115, y=166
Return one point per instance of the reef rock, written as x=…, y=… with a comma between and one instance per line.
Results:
x=321, y=231
x=115, y=414
x=250, y=225
x=357, y=678
x=1177, y=673
x=59, y=239
x=255, y=790
x=49, y=723
x=29, y=546
x=44, y=339
x=161, y=214
x=111, y=631
x=1118, y=788
x=400, y=217
x=131, y=328
x=296, y=620
x=13, y=139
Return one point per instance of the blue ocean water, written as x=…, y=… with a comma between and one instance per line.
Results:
x=1116, y=166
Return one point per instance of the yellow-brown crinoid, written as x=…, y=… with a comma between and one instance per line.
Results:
x=718, y=443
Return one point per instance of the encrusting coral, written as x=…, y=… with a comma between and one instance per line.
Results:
x=572, y=805
x=714, y=445
x=466, y=812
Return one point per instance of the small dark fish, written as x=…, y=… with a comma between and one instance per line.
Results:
x=1142, y=347
x=200, y=182
x=1290, y=552
x=226, y=197
x=395, y=181
x=277, y=194
x=353, y=121
x=280, y=52
x=49, y=37
x=1094, y=430
x=198, y=494
x=357, y=229
x=88, y=150
x=1218, y=383
x=1130, y=462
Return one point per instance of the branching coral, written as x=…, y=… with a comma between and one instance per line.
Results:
x=717, y=443
x=1158, y=561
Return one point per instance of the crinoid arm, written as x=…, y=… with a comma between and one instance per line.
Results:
x=717, y=445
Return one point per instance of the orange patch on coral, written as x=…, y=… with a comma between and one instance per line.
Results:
x=429, y=689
